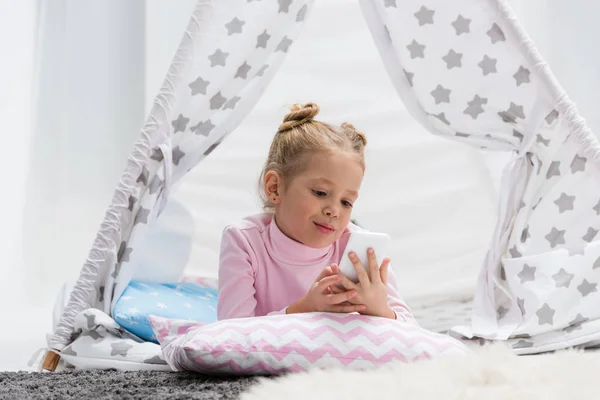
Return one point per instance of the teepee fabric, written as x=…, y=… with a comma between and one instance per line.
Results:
x=229, y=53
x=465, y=71
x=468, y=72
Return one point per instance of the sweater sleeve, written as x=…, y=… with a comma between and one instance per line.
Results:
x=236, y=277
x=403, y=312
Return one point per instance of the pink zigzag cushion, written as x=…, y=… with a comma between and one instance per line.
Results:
x=290, y=343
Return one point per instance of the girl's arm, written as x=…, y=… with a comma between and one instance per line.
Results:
x=236, y=277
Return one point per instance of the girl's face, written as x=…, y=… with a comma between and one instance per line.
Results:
x=315, y=207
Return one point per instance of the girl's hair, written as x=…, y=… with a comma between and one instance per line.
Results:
x=299, y=136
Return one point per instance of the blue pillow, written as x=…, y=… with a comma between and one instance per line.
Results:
x=185, y=300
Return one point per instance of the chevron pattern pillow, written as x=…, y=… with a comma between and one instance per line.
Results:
x=290, y=343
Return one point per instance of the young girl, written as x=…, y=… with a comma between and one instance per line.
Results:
x=286, y=260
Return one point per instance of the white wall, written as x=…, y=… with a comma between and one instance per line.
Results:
x=90, y=89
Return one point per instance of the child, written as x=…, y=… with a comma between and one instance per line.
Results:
x=286, y=260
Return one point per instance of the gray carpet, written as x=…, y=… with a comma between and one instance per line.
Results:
x=119, y=385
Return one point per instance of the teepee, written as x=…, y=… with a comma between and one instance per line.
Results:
x=465, y=71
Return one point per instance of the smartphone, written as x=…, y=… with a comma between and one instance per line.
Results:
x=360, y=242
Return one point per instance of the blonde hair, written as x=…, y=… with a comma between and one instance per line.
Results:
x=301, y=135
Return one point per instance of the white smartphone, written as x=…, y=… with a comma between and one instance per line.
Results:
x=359, y=243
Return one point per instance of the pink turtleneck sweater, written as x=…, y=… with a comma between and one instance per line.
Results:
x=262, y=271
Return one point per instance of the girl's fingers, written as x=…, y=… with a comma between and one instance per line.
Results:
x=347, y=309
x=328, y=281
x=373, y=266
x=339, y=297
x=363, y=278
x=383, y=271
x=327, y=271
x=347, y=283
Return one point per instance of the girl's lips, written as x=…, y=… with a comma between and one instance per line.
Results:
x=325, y=229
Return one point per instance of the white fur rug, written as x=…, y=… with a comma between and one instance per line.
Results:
x=491, y=373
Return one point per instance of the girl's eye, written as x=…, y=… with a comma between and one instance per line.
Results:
x=319, y=193
x=346, y=203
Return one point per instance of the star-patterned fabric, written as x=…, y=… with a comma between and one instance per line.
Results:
x=466, y=71
x=228, y=55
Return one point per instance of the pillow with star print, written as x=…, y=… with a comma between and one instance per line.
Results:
x=183, y=300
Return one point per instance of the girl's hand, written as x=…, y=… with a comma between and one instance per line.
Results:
x=372, y=292
x=321, y=298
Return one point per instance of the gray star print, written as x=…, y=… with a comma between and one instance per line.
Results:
x=525, y=235
x=424, y=16
x=143, y=178
x=521, y=304
x=177, y=155
x=578, y=164
x=518, y=135
x=522, y=344
x=550, y=118
x=69, y=351
x=462, y=134
x=218, y=58
x=284, y=6
x=262, y=39
x=461, y=25
x=545, y=315
x=453, y=59
x=441, y=94
x=217, y=101
x=131, y=201
x=501, y=312
x=596, y=264
x=203, y=128
x=496, y=34
x=390, y=3
x=234, y=26
x=231, y=103
x=554, y=169
x=262, y=70
x=562, y=278
x=120, y=348
x=488, y=65
x=475, y=106
x=90, y=320
x=198, y=86
x=514, y=253
x=409, y=77
x=540, y=139
x=142, y=216
x=416, y=49
x=94, y=335
x=124, y=252
x=527, y=274
x=180, y=123
x=586, y=288
x=597, y=208
x=575, y=324
x=242, y=71
x=555, y=237
x=522, y=75
x=284, y=45
x=442, y=117
x=590, y=235
x=154, y=360
x=564, y=202
x=301, y=14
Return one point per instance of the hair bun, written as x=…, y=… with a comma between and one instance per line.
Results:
x=298, y=115
x=349, y=127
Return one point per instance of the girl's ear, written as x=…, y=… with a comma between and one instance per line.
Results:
x=273, y=185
